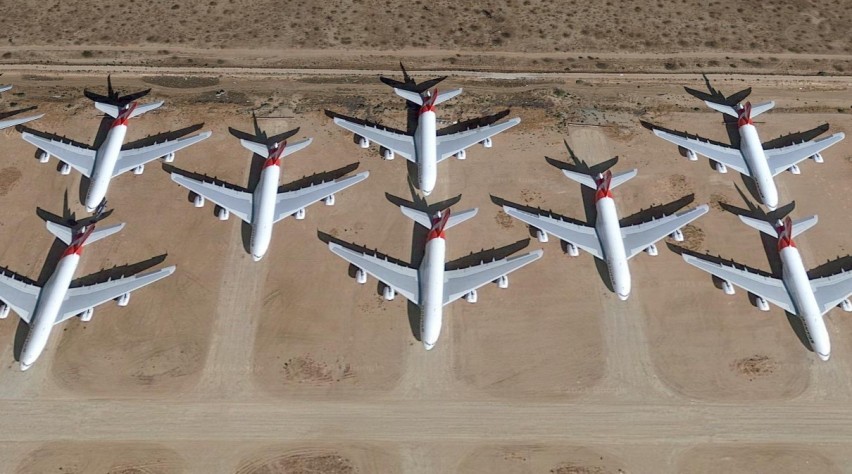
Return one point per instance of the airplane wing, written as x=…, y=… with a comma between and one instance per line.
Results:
x=638, y=237
x=5, y=88
x=582, y=236
x=449, y=145
x=770, y=289
x=291, y=201
x=82, y=298
x=238, y=203
x=831, y=290
x=18, y=121
x=458, y=283
x=129, y=159
x=402, y=279
x=81, y=159
x=21, y=297
x=730, y=157
x=401, y=144
x=780, y=159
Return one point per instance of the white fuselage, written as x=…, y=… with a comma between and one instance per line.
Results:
x=47, y=309
x=796, y=280
x=612, y=243
x=431, y=279
x=263, y=210
x=105, y=160
x=755, y=159
x=426, y=149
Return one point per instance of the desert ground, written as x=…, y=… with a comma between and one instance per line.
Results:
x=288, y=365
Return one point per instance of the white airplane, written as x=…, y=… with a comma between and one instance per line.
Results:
x=426, y=148
x=43, y=308
x=109, y=161
x=808, y=299
x=266, y=206
x=431, y=286
x=607, y=240
x=751, y=159
x=16, y=121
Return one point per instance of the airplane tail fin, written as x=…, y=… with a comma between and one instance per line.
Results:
x=425, y=219
x=788, y=227
x=66, y=234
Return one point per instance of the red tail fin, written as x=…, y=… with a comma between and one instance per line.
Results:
x=429, y=104
x=78, y=242
x=438, y=224
x=603, y=181
x=274, y=158
x=124, y=115
x=785, y=234
x=745, y=115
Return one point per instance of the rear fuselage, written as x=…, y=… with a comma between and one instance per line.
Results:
x=105, y=160
x=263, y=209
x=755, y=159
x=431, y=279
x=798, y=285
x=615, y=257
x=426, y=150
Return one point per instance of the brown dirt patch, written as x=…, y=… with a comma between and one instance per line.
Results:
x=181, y=82
x=307, y=369
x=301, y=463
x=754, y=366
x=8, y=178
x=693, y=238
x=716, y=201
x=505, y=220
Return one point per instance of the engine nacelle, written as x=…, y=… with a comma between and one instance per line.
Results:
x=43, y=156
x=691, y=156
x=4, y=310
x=86, y=315
x=728, y=288
x=762, y=304
x=541, y=235
x=388, y=293
x=168, y=158
x=461, y=155
x=363, y=142
x=721, y=168
x=139, y=170
x=817, y=158
x=652, y=250
x=329, y=200
x=846, y=305
x=198, y=200
x=794, y=169
x=360, y=276
x=677, y=235
x=123, y=300
x=223, y=214
x=471, y=297
x=487, y=142
x=300, y=214
x=65, y=169
x=387, y=154
x=573, y=250
x=503, y=282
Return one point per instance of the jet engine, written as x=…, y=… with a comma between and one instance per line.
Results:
x=845, y=304
x=721, y=168
x=728, y=288
x=795, y=169
x=43, y=156
x=762, y=304
x=677, y=235
x=541, y=235
x=169, y=157
x=471, y=297
x=503, y=282
x=817, y=158
x=691, y=156
x=573, y=250
x=86, y=315
x=300, y=214
x=487, y=142
x=363, y=142
x=139, y=170
x=387, y=154
x=123, y=300
x=65, y=169
x=461, y=155
x=198, y=200
x=329, y=200
x=361, y=276
x=388, y=293
x=223, y=214
x=652, y=250
x=4, y=311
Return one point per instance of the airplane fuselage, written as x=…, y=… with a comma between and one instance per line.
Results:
x=798, y=285
x=755, y=159
x=612, y=244
x=426, y=150
x=47, y=309
x=263, y=210
x=431, y=278
x=105, y=160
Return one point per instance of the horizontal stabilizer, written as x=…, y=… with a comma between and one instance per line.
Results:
x=425, y=219
x=590, y=182
x=410, y=96
x=254, y=147
x=799, y=226
x=296, y=146
x=733, y=112
x=66, y=234
x=114, y=110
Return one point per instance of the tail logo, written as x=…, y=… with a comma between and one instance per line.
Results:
x=785, y=234
x=745, y=116
x=275, y=155
x=76, y=246
x=603, y=181
x=439, y=222
x=124, y=115
x=429, y=103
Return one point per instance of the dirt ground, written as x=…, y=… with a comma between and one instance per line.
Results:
x=288, y=365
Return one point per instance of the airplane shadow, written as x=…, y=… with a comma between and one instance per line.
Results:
x=796, y=137
x=715, y=95
x=408, y=83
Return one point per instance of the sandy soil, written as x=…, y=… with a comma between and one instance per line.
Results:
x=236, y=366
